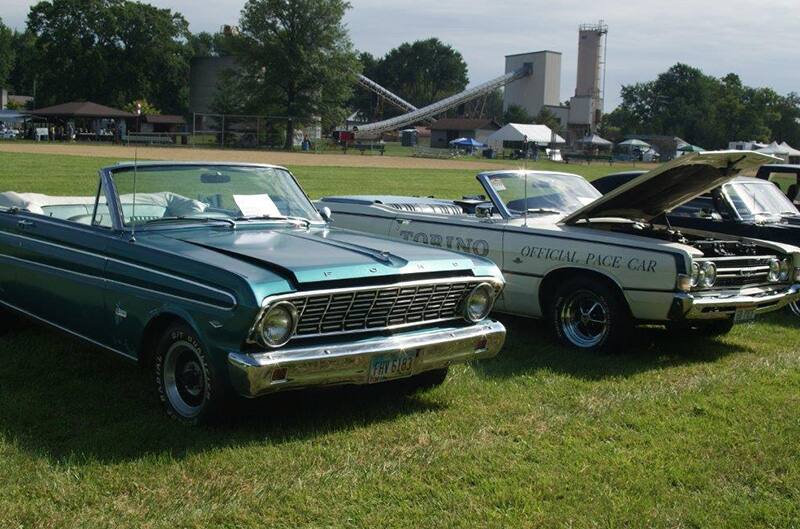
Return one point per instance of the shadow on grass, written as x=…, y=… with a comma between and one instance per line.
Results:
x=69, y=402
x=531, y=347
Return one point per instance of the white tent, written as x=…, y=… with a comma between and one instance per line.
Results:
x=539, y=134
x=791, y=151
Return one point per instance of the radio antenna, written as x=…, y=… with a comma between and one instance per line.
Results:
x=133, y=206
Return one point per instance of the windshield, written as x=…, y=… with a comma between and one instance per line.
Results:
x=758, y=199
x=542, y=192
x=209, y=193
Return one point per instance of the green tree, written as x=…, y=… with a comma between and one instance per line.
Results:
x=22, y=76
x=546, y=117
x=423, y=72
x=517, y=114
x=704, y=110
x=296, y=59
x=148, y=109
x=110, y=51
x=6, y=54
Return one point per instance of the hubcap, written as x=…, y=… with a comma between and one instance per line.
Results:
x=184, y=379
x=584, y=319
x=795, y=307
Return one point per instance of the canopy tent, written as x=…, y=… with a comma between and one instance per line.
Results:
x=690, y=148
x=518, y=132
x=593, y=140
x=13, y=116
x=634, y=143
x=775, y=148
x=81, y=109
x=791, y=151
x=467, y=142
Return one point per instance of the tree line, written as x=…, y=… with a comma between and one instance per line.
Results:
x=294, y=58
x=705, y=110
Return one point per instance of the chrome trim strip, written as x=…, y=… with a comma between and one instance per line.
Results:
x=68, y=331
x=106, y=280
x=403, y=284
x=230, y=296
x=493, y=281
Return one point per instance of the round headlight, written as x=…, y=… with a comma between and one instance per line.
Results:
x=695, y=274
x=709, y=274
x=278, y=324
x=478, y=303
x=786, y=270
x=774, y=271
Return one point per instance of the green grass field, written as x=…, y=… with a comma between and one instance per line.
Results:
x=679, y=432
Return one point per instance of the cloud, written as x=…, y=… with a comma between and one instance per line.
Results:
x=756, y=40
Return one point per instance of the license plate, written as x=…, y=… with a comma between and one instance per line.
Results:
x=392, y=365
x=744, y=315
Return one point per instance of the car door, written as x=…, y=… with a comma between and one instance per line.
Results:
x=467, y=234
x=60, y=271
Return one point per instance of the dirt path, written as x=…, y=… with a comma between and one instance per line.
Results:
x=277, y=158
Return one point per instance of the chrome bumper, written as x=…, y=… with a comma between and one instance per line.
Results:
x=349, y=363
x=717, y=307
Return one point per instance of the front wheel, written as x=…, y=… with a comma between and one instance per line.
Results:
x=187, y=384
x=590, y=315
x=795, y=306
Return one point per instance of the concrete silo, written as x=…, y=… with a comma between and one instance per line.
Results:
x=586, y=107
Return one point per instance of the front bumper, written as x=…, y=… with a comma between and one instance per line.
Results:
x=686, y=306
x=349, y=363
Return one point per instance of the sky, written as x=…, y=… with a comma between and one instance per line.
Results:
x=757, y=40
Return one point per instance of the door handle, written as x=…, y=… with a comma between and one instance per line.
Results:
x=26, y=224
x=402, y=221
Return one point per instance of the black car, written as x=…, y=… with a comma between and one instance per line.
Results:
x=743, y=207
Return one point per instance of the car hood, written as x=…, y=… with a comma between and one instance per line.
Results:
x=670, y=185
x=323, y=254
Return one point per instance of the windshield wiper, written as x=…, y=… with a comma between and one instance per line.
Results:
x=544, y=210
x=275, y=217
x=183, y=218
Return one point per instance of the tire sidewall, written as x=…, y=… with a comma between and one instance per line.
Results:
x=618, y=321
x=212, y=391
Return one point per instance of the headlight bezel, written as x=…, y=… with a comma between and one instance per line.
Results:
x=774, y=274
x=490, y=294
x=708, y=274
x=291, y=329
x=786, y=270
x=695, y=274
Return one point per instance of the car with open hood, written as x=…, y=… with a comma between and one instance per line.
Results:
x=596, y=265
x=743, y=207
x=224, y=279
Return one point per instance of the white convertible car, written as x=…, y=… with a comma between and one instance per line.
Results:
x=597, y=265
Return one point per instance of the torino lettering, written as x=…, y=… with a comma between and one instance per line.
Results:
x=477, y=246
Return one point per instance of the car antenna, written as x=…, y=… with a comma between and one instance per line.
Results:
x=133, y=206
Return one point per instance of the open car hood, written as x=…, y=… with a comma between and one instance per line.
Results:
x=670, y=185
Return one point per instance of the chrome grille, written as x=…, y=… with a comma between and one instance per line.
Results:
x=740, y=272
x=366, y=309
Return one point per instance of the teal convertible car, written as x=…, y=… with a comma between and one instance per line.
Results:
x=224, y=279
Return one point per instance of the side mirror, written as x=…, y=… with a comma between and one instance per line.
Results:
x=326, y=213
x=483, y=211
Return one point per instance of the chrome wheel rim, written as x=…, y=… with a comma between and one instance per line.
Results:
x=795, y=306
x=184, y=379
x=584, y=319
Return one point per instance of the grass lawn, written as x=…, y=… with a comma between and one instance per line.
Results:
x=676, y=433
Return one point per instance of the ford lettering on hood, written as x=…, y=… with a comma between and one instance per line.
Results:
x=319, y=254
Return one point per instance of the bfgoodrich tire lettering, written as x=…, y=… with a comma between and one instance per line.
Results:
x=589, y=314
x=187, y=384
